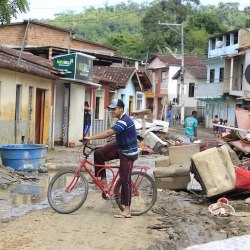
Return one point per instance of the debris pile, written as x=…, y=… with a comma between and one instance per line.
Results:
x=9, y=176
x=239, y=137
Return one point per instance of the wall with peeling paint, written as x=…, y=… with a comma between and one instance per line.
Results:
x=24, y=129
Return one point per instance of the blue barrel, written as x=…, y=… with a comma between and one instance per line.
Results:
x=24, y=157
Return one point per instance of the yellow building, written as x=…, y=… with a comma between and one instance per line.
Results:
x=26, y=84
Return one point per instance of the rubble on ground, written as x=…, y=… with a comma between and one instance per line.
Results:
x=238, y=138
x=9, y=176
x=187, y=221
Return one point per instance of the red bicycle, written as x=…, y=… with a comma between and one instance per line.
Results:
x=68, y=189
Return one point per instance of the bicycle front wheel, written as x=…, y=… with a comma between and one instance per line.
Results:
x=144, y=193
x=67, y=199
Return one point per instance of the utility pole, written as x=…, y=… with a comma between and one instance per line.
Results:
x=182, y=62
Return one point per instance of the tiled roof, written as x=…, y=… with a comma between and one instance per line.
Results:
x=30, y=64
x=188, y=60
x=199, y=72
x=27, y=57
x=116, y=77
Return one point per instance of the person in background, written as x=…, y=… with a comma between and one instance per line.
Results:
x=216, y=128
x=124, y=148
x=221, y=130
x=190, y=126
x=87, y=118
x=169, y=116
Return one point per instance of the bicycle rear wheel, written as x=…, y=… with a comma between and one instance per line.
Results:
x=144, y=193
x=62, y=200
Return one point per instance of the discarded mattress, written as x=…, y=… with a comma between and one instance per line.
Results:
x=214, y=170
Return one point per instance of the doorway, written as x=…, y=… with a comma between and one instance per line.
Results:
x=39, y=122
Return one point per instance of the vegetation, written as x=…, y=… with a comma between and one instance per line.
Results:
x=135, y=30
x=10, y=8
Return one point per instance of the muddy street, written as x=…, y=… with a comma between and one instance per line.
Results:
x=186, y=221
x=178, y=219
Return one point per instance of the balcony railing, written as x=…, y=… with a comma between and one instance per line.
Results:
x=209, y=90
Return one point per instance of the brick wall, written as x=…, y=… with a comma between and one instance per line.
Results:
x=12, y=35
x=39, y=35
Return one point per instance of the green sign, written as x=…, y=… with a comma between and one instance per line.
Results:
x=77, y=66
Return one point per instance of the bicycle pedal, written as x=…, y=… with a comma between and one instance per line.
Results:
x=105, y=196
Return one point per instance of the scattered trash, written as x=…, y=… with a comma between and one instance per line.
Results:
x=221, y=208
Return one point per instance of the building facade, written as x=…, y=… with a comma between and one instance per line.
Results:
x=226, y=86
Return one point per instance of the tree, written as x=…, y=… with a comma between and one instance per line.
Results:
x=130, y=45
x=207, y=20
x=10, y=8
x=171, y=11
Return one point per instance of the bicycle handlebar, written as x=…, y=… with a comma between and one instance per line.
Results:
x=85, y=145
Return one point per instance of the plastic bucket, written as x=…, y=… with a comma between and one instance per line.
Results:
x=24, y=157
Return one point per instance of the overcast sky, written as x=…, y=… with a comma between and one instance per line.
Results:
x=48, y=8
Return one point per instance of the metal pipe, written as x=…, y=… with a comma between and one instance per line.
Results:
x=232, y=128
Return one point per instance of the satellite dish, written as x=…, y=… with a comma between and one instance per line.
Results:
x=247, y=73
x=219, y=44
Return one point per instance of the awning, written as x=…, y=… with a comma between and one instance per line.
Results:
x=69, y=80
x=234, y=55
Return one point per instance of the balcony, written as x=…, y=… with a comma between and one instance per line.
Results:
x=209, y=90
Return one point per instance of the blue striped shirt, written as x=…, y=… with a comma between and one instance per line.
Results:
x=126, y=136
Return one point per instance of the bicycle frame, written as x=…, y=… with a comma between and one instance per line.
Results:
x=143, y=187
x=112, y=184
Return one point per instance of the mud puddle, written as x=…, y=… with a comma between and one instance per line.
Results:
x=21, y=198
x=26, y=196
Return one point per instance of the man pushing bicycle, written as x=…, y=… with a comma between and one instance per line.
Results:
x=124, y=148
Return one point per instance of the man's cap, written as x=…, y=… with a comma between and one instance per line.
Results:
x=116, y=103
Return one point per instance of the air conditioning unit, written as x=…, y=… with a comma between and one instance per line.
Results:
x=219, y=44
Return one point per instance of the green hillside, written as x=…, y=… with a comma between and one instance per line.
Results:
x=134, y=30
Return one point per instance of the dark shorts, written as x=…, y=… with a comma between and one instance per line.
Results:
x=215, y=128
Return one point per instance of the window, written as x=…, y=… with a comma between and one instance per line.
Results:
x=219, y=41
x=30, y=103
x=221, y=77
x=211, y=75
x=235, y=38
x=213, y=43
x=155, y=76
x=18, y=102
x=228, y=40
x=139, y=101
x=164, y=77
x=241, y=70
x=97, y=107
x=99, y=104
x=191, y=90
